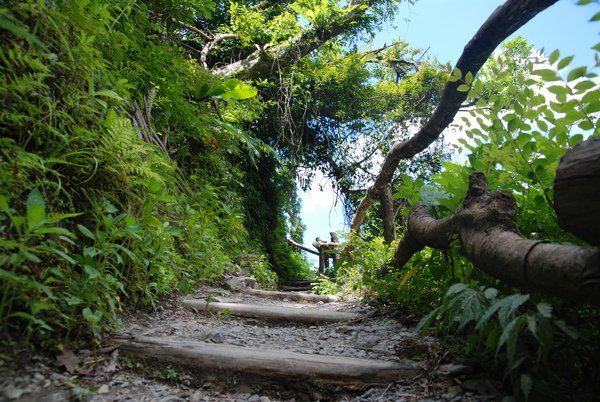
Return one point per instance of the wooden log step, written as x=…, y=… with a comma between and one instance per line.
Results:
x=271, y=312
x=299, y=297
x=268, y=363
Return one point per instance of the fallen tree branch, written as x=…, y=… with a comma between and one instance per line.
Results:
x=206, y=357
x=485, y=225
x=302, y=247
x=276, y=313
x=501, y=24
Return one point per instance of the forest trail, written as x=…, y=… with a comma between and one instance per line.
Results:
x=251, y=345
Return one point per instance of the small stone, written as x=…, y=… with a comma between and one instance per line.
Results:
x=470, y=385
x=323, y=337
x=264, y=399
x=342, y=330
x=103, y=389
x=254, y=398
x=455, y=389
x=12, y=392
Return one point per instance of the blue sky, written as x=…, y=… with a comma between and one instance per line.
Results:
x=445, y=27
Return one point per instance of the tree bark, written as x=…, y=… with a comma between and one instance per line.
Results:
x=485, y=225
x=504, y=21
x=387, y=215
x=264, y=62
x=576, y=190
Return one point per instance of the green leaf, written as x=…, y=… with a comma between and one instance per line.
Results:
x=585, y=85
x=542, y=125
x=547, y=74
x=526, y=384
x=586, y=125
x=554, y=56
x=595, y=17
x=565, y=62
x=107, y=93
x=4, y=204
x=469, y=78
x=9, y=23
x=576, y=73
x=455, y=75
x=523, y=139
x=55, y=230
x=233, y=89
x=36, y=209
x=558, y=90
x=92, y=317
x=544, y=309
x=86, y=232
x=463, y=88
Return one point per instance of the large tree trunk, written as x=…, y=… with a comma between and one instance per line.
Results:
x=485, y=225
x=576, y=191
x=501, y=24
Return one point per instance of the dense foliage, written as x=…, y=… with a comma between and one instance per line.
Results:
x=524, y=112
x=94, y=209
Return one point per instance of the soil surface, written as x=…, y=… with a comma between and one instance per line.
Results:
x=108, y=375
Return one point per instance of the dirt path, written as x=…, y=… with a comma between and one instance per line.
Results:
x=176, y=354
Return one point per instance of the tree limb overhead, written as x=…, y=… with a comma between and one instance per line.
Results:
x=502, y=23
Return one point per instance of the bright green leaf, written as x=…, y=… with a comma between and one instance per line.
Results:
x=547, y=74
x=463, y=88
x=36, y=209
x=107, y=93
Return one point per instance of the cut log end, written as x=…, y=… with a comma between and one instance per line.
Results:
x=576, y=191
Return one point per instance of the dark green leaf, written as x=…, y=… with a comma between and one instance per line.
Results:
x=576, y=73
x=553, y=56
x=526, y=385
x=565, y=62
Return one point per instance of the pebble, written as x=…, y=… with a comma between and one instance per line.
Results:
x=103, y=389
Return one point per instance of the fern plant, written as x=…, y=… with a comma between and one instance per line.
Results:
x=540, y=353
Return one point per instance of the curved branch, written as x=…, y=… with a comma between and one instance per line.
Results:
x=501, y=24
x=485, y=225
x=215, y=39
